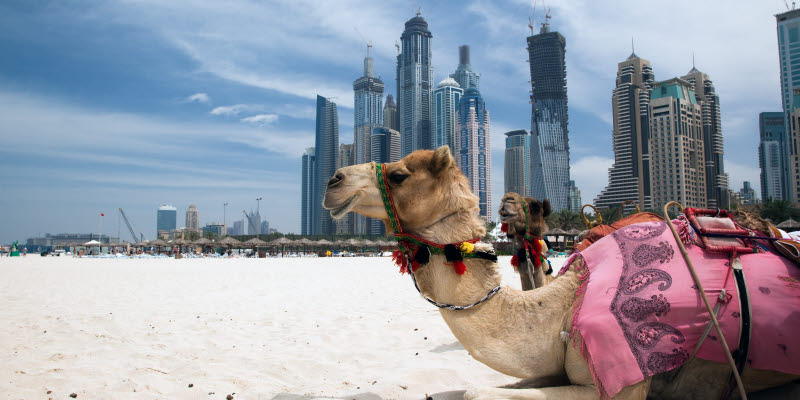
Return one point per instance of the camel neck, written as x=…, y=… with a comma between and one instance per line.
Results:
x=453, y=228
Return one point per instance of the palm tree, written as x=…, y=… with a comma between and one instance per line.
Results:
x=778, y=211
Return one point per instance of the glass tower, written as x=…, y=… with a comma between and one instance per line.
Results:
x=415, y=86
x=166, y=219
x=385, y=148
x=464, y=75
x=448, y=96
x=368, y=115
x=517, y=174
x=326, y=154
x=307, y=192
x=789, y=58
x=472, y=150
x=549, y=135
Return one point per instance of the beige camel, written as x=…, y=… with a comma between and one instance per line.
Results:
x=517, y=333
x=513, y=215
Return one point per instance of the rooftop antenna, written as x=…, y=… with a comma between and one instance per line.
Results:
x=633, y=49
x=692, y=60
x=419, y=11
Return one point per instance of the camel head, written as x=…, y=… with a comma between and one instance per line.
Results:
x=427, y=186
x=512, y=213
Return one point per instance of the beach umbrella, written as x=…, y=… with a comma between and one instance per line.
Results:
x=304, y=242
x=180, y=243
x=158, y=243
x=229, y=242
x=281, y=242
x=202, y=242
x=339, y=243
x=573, y=232
x=255, y=242
x=789, y=224
x=556, y=232
x=92, y=243
x=323, y=242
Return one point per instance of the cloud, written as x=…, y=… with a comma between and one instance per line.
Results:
x=296, y=111
x=261, y=119
x=235, y=110
x=591, y=176
x=198, y=98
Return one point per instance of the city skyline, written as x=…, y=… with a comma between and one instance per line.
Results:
x=223, y=127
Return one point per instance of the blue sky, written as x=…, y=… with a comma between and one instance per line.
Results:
x=134, y=104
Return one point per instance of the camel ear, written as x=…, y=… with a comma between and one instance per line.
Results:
x=442, y=160
x=546, y=207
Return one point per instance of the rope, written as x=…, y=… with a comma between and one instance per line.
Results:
x=711, y=313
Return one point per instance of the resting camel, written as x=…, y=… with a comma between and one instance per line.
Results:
x=519, y=222
x=518, y=333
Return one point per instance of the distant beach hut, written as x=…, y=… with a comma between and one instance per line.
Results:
x=159, y=244
x=179, y=243
x=255, y=243
x=202, y=243
x=281, y=242
x=304, y=242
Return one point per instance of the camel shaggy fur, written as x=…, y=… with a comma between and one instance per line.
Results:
x=516, y=332
x=512, y=215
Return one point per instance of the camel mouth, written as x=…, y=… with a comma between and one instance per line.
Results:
x=339, y=211
x=506, y=215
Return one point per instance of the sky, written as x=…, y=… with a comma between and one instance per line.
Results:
x=136, y=103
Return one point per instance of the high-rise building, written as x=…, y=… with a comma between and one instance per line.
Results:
x=473, y=151
x=347, y=224
x=549, y=134
x=770, y=154
x=238, y=228
x=677, y=153
x=716, y=178
x=415, y=86
x=254, y=222
x=789, y=61
x=385, y=144
x=390, y=114
x=464, y=75
x=575, y=201
x=326, y=152
x=166, y=220
x=264, y=226
x=447, y=98
x=215, y=229
x=346, y=156
x=748, y=194
x=307, y=206
x=193, y=218
x=793, y=158
x=517, y=171
x=629, y=176
x=368, y=111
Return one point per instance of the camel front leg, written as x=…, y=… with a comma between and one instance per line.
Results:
x=525, y=277
x=538, y=276
x=572, y=392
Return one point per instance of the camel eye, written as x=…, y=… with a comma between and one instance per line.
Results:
x=397, y=178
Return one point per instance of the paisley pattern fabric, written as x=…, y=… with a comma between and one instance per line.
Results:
x=641, y=313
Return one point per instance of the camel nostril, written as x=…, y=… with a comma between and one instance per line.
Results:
x=336, y=179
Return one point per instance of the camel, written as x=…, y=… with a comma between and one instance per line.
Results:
x=518, y=333
x=518, y=222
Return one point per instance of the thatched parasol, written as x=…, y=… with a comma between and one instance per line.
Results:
x=573, y=232
x=556, y=232
x=255, y=242
x=230, y=242
x=143, y=243
x=158, y=243
x=202, y=242
x=281, y=242
x=789, y=224
x=324, y=242
x=179, y=242
x=339, y=243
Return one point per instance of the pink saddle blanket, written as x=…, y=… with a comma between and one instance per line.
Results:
x=642, y=314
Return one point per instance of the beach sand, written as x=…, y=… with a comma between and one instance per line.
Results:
x=291, y=328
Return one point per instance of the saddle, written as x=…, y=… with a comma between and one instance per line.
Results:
x=597, y=230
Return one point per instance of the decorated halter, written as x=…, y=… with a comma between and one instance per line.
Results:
x=416, y=251
x=532, y=244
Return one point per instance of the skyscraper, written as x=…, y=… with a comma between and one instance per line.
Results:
x=253, y=222
x=629, y=176
x=166, y=220
x=716, y=178
x=326, y=152
x=385, y=144
x=448, y=96
x=307, y=195
x=575, y=201
x=517, y=171
x=347, y=224
x=390, y=114
x=473, y=151
x=549, y=134
x=464, y=75
x=789, y=61
x=677, y=153
x=368, y=111
x=193, y=218
x=415, y=86
x=748, y=194
x=793, y=159
x=770, y=154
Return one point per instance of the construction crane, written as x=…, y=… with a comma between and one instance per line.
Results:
x=130, y=228
x=369, y=44
x=250, y=221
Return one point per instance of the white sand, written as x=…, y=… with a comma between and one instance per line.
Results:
x=257, y=327
x=261, y=328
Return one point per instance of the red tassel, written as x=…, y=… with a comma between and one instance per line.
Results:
x=504, y=227
x=414, y=265
x=515, y=262
x=535, y=252
x=400, y=260
x=460, y=267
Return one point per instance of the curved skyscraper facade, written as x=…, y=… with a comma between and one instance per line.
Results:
x=415, y=86
x=472, y=148
x=549, y=135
